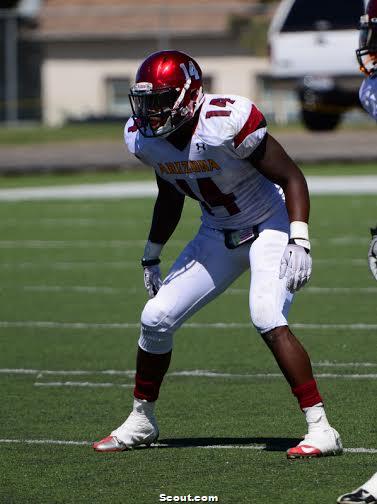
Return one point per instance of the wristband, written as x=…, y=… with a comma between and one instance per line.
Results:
x=149, y=262
x=152, y=250
x=299, y=234
x=299, y=229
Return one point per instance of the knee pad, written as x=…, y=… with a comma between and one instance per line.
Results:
x=156, y=335
x=266, y=315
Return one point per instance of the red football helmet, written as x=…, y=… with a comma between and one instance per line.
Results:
x=367, y=51
x=167, y=92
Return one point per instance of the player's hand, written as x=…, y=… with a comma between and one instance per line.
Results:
x=372, y=253
x=296, y=266
x=152, y=276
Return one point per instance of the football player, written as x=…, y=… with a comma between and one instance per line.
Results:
x=367, y=57
x=255, y=209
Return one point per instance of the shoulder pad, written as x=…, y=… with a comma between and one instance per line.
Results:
x=229, y=118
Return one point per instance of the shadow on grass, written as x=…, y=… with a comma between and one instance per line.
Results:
x=261, y=443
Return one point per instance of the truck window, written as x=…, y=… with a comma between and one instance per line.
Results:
x=323, y=15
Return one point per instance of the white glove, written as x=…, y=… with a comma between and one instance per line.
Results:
x=296, y=266
x=152, y=279
x=152, y=272
x=372, y=253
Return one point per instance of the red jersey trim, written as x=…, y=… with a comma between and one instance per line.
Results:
x=255, y=121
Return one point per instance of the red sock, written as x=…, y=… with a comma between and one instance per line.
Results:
x=307, y=394
x=150, y=371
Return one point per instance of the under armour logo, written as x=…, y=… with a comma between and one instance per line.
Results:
x=200, y=146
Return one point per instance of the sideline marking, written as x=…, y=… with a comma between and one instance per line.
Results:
x=354, y=184
x=82, y=191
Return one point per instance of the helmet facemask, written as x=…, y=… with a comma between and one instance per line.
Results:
x=367, y=52
x=159, y=112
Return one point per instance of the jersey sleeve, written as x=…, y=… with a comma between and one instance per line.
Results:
x=249, y=129
x=132, y=141
x=130, y=131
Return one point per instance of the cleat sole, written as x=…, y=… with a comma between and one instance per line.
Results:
x=309, y=456
x=127, y=448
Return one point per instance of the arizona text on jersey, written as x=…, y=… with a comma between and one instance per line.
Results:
x=213, y=168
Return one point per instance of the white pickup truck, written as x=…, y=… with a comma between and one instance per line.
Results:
x=312, y=44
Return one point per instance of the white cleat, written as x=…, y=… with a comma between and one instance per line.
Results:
x=140, y=428
x=358, y=496
x=319, y=443
x=109, y=444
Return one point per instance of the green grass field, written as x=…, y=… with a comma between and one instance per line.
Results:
x=37, y=134
x=71, y=295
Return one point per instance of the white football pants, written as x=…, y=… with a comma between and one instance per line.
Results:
x=205, y=268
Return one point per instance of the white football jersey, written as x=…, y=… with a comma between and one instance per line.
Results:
x=368, y=95
x=213, y=168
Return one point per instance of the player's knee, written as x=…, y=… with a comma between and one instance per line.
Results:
x=263, y=316
x=156, y=334
x=152, y=315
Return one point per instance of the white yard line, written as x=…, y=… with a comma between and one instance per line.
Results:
x=93, y=244
x=353, y=184
x=193, y=325
x=193, y=372
x=346, y=327
x=259, y=376
x=360, y=450
x=196, y=373
x=74, y=222
x=87, y=289
x=64, y=265
x=68, y=265
x=82, y=222
x=70, y=372
x=79, y=288
x=59, y=244
x=357, y=184
x=340, y=290
x=83, y=384
x=342, y=260
x=344, y=364
x=46, y=442
x=319, y=290
x=68, y=325
x=39, y=375
x=83, y=191
x=259, y=447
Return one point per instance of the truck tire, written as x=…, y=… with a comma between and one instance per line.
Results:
x=318, y=121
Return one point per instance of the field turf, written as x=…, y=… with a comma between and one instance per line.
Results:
x=71, y=295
